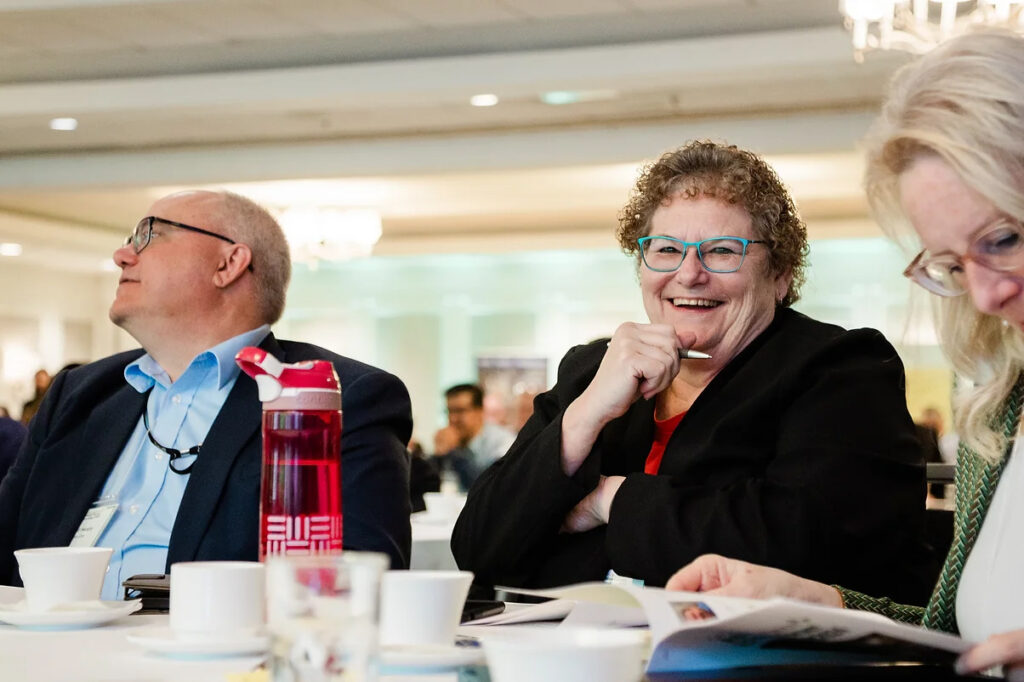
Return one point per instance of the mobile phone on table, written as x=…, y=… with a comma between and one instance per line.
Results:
x=154, y=589
x=481, y=608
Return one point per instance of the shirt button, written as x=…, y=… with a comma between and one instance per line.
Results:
x=176, y=400
x=159, y=456
x=134, y=509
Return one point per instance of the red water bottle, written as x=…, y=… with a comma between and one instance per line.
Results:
x=300, y=494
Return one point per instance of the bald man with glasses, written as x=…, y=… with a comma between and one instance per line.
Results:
x=156, y=452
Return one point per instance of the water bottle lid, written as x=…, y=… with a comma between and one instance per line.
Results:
x=278, y=381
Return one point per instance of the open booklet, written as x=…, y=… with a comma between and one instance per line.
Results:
x=699, y=631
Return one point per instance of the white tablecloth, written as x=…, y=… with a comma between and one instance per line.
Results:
x=102, y=654
x=431, y=544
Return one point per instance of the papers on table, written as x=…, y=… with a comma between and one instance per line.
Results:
x=732, y=632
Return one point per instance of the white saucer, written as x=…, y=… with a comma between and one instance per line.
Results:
x=165, y=642
x=69, y=616
x=429, y=656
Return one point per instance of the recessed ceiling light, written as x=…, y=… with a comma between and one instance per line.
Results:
x=558, y=97
x=10, y=249
x=484, y=100
x=63, y=123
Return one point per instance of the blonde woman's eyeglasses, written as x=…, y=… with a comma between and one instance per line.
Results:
x=1000, y=247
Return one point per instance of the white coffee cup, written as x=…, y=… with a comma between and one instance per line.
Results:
x=567, y=655
x=217, y=599
x=61, y=575
x=422, y=607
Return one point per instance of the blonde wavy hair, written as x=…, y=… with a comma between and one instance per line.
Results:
x=964, y=103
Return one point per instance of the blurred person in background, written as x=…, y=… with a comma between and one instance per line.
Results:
x=495, y=410
x=423, y=476
x=470, y=443
x=638, y=461
x=41, y=381
x=946, y=158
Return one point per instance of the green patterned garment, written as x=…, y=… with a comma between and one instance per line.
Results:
x=975, y=482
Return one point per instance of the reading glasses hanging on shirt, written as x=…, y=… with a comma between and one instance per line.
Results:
x=173, y=453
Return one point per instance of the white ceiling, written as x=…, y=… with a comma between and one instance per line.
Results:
x=365, y=103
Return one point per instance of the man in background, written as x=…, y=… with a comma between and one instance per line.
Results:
x=156, y=452
x=469, y=441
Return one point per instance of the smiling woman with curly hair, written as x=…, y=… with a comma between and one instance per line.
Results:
x=734, y=176
x=721, y=424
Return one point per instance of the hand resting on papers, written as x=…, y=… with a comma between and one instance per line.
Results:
x=729, y=577
x=733, y=578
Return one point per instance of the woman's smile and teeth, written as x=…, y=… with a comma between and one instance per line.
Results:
x=695, y=304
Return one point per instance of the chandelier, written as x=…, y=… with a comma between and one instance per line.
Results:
x=324, y=233
x=919, y=25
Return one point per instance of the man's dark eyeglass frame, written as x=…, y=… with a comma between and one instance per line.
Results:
x=149, y=220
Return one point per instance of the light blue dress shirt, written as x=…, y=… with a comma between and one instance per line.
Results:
x=146, y=492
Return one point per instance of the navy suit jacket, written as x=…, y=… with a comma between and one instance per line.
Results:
x=89, y=413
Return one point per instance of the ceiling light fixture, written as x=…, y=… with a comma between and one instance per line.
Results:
x=560, y=97
x=919, y=25
x=65, y=123
x=484, y=100
x=10, y=249
x=326, y=233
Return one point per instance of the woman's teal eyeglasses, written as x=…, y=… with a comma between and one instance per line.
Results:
x=718, y=254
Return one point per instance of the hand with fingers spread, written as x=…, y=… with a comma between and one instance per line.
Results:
x=733, y=578
x=641, y=361
x=1005, y=649
x=595, y=509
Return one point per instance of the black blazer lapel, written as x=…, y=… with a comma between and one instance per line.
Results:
x=107, y=430
x=236, y=424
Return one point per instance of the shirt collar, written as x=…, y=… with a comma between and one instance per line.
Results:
x=144, y=372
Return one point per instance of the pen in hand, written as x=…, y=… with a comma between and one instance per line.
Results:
x=687, y=354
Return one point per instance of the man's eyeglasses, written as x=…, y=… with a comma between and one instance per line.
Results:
x=143, y=233
x=1000, y=247
x=718, y=254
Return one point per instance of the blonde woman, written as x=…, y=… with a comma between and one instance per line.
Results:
x=946, y=158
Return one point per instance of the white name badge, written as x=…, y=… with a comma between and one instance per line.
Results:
x=95, y=522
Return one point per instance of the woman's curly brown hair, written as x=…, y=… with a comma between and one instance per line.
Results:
x=733, y=175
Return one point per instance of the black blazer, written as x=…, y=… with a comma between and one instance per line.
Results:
x=89, y=413
x=799, y=454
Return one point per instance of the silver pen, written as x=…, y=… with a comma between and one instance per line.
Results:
x=686, y=354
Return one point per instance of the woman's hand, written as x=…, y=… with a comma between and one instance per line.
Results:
x=595, y=509
x=642, y=360
x=734, y=578
x=1006, y=649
